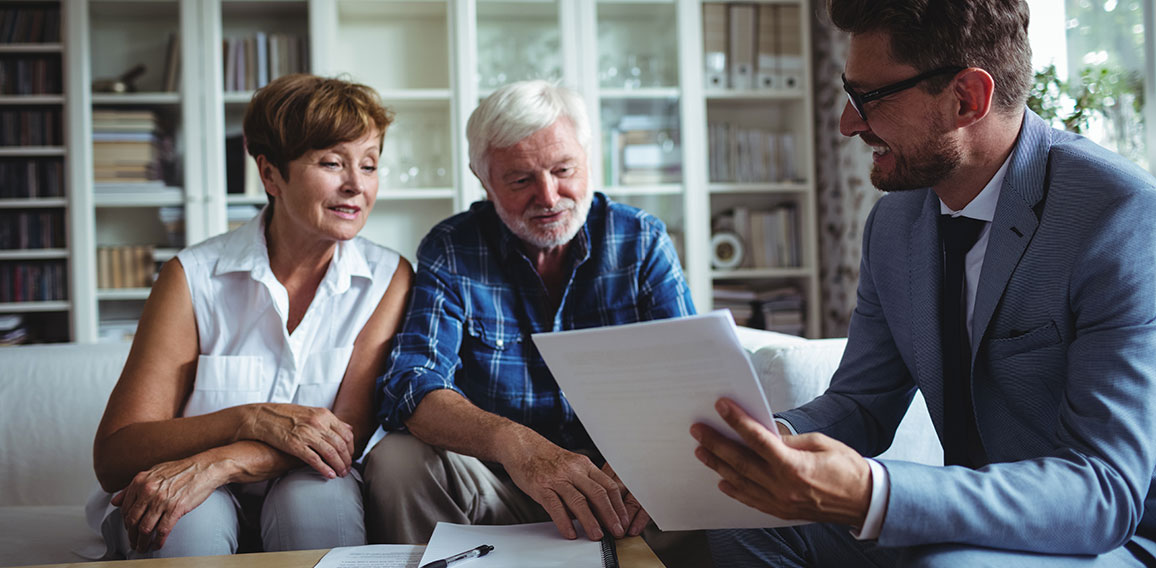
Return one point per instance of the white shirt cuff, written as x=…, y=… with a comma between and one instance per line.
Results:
x=788, y=426
x=880, y=491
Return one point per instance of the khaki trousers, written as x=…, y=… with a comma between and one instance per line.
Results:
x=410, y=486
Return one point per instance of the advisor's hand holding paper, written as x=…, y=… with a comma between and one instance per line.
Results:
x=810, y=476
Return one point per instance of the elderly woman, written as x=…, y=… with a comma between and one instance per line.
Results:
x=247, y=394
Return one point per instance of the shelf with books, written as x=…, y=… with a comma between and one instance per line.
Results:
x=136, y=99
x=30, y=48
x=34, y=307
x=161, y=196
x=16, y=100
x=760, y=191
x=33, y=202
x=755, y=95
x=672, y=189
x=639, y=93
x=31, y=151
x=33, y=254
x=789, y=187
x=113, y=294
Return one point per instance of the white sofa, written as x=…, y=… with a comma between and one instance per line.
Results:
x=52, y=397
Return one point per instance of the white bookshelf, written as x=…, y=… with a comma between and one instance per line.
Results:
x=431, y=60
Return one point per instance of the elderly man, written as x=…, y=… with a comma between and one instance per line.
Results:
x=491, y=439
x=1010, y=275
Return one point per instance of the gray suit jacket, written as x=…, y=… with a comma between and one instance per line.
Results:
x=1063, y=357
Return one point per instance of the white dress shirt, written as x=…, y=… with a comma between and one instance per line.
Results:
x=247, y=354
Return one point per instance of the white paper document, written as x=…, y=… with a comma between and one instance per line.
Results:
x=638, y=388
x=373, y=556
x=536, y=545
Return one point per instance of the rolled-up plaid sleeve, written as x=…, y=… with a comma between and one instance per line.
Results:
x=425, y=353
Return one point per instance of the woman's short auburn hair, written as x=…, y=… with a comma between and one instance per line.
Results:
x=297, y=113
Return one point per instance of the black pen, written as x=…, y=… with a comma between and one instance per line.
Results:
x=471, y=553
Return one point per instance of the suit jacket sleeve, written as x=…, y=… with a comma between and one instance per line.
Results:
x=872, y=388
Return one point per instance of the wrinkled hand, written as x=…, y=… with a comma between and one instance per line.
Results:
x=636, y=516
x=314, y=435
x=807, y=477
x=158, y=497
x=567, y=484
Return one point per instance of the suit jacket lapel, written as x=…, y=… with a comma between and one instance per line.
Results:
x=926, y=272
x=1015, y=220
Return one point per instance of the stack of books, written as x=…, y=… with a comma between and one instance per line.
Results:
x=776, y=309
x=125, y=146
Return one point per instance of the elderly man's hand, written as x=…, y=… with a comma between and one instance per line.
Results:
x=636, y=516
x=807, y=477
x=568, y=486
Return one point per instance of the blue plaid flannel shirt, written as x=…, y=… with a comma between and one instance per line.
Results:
x=477, y=298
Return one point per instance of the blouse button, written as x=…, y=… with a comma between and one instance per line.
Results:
x=501, y=343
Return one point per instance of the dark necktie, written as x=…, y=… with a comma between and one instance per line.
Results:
x=961, y=438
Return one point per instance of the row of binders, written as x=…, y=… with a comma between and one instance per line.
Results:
x=33, y=281
x=252, y=61
x=125, y=267
x=749, y=46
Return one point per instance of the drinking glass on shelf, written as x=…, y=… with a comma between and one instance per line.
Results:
x=633, y=76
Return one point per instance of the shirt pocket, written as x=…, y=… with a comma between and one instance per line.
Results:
x=498, y=335
x=225, y=381
x=321, y=377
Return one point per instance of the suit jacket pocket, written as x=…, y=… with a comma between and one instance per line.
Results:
x=1043, y=336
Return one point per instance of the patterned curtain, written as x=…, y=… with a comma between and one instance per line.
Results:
x=845, y=193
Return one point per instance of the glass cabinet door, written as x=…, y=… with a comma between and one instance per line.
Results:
x=517, y=41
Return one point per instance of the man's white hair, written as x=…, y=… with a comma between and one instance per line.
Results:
x=516, y=111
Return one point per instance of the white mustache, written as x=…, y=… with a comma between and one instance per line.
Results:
x=563, y=205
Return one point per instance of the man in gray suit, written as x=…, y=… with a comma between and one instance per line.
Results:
x=1035, y=347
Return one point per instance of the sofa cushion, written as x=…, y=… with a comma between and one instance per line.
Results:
x=794, y=372
x=51, y=401
x=46, y=535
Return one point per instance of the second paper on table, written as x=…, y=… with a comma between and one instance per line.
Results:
x=638, y=388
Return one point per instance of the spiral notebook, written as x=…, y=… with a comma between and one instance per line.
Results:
x=536, y=545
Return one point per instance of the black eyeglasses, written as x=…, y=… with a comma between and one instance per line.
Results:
x=858, y=101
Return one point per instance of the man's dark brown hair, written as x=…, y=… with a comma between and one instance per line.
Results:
x=929, y=34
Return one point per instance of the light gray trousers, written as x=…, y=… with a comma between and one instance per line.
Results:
x=300, y=510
